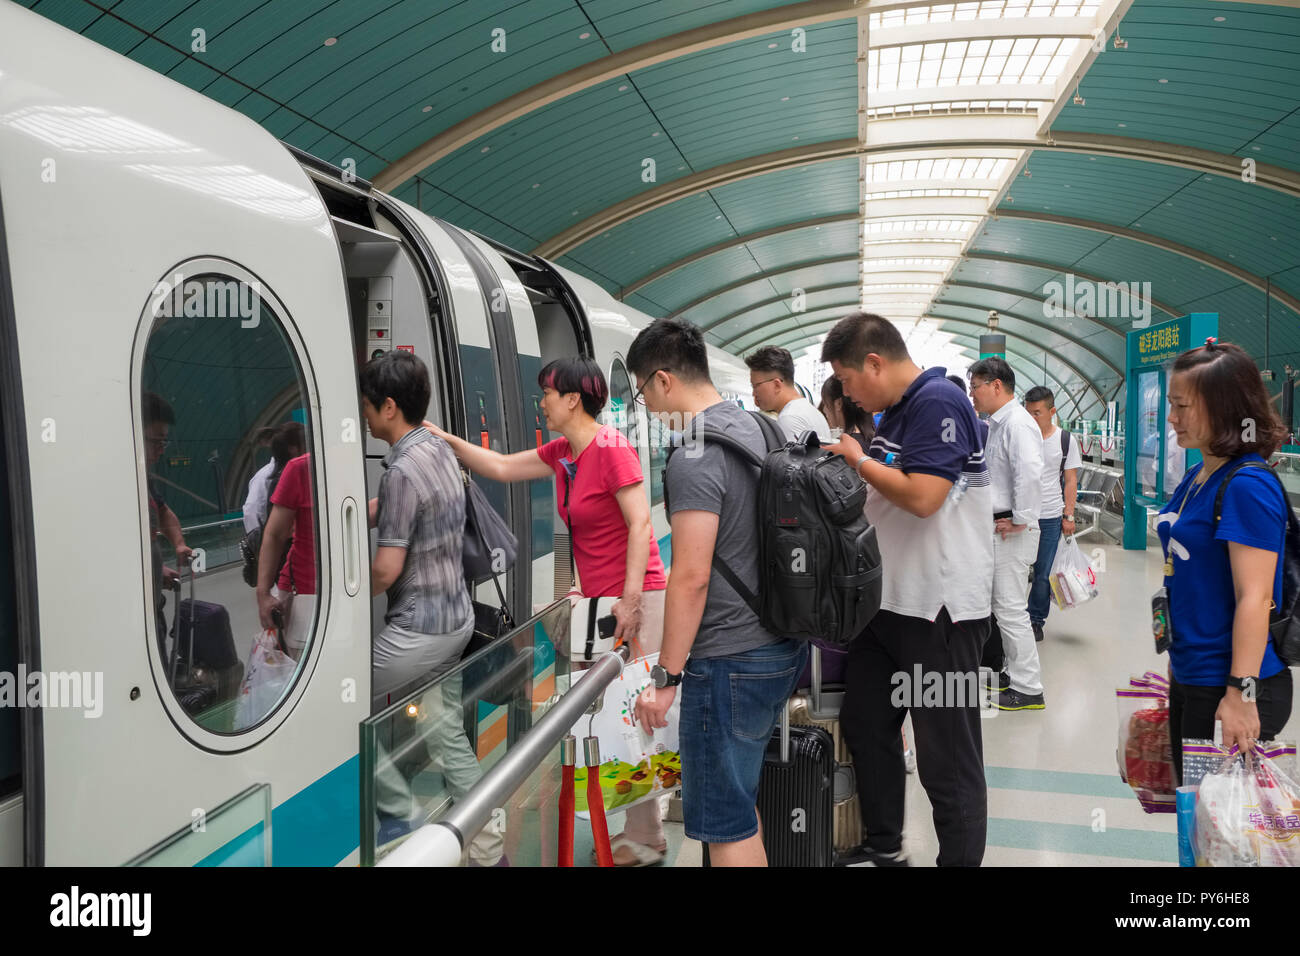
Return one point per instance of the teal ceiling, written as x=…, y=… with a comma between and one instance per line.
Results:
x=730, y=253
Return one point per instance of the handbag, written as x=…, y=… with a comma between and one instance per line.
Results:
x=494, y=676
x=489, y=546
x=591, y=626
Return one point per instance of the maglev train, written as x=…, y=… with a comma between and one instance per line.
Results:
x=173, y=281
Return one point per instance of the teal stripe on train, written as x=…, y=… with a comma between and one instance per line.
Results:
x=317, y=826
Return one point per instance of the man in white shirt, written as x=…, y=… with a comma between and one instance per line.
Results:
x=1061, y=464
x=1014, y=455
x=929, y=503
x=771, y=375
x=255, y=504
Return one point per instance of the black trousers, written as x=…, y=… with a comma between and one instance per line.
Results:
x=949, y=746
x=1192, y=707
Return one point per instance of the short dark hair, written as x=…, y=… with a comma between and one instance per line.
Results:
x=672, y=344
x=772, y=358
x=856, y=418
x=1228, y=373
x=402, y=377
x=288, y=441
x=858, y=335
x=958, y=381
x=577, y=374
x=994, y=369
x=155, y=409
x=1041, y=393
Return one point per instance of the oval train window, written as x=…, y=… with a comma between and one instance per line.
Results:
x=622, y=413
x=223, y=422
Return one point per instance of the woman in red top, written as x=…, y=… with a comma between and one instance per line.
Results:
x=611, y=535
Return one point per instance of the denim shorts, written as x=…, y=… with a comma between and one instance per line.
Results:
x=730, y=706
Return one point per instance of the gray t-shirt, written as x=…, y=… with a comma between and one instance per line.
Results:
x=703, y=476
x=799, y=416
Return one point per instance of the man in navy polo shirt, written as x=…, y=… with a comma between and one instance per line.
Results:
x=929, y=502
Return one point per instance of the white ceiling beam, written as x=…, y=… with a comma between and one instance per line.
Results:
x=1003, y=28
x=927, y=206
x=965, y=91
x=889, y=131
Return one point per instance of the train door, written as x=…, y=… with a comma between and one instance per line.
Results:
x=12, y=551
x=549, y=323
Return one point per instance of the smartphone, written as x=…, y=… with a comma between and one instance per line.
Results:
x=607, y=625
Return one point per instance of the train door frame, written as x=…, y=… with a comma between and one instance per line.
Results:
x=13, y=419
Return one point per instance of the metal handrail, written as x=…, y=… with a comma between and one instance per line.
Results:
x=443, y=842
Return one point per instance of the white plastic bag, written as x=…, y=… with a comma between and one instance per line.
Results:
x=1072, y=579
x=1248, y=814
x=268, y=672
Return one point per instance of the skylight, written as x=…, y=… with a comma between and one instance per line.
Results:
x=1027, y=60
x=983, y=10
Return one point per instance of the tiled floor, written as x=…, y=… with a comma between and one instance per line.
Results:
x=1055, y=797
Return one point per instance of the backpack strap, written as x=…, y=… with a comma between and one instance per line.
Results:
x=774, y=439
x=1218, y=497
x=1065, y=453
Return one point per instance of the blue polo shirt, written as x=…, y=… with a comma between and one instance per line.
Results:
x=1202, y=599
x=945, y=560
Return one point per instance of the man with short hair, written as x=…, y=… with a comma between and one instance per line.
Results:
x=420, y=514
x=1014, y=453
x=735, y=675
x=771, y=376
x=929, y=504
x=1061, y=464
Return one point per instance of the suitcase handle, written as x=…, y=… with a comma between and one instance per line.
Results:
x=816, y=676
x=785, y=732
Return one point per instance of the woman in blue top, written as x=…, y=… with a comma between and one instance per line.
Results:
x=1222, y=580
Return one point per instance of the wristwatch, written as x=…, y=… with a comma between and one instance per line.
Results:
x=1068, y=517
x=664, y=679
x=1249, y=686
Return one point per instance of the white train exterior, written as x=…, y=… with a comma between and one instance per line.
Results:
x=113, y=180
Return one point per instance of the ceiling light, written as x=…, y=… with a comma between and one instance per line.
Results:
x=1219, y=19
x=1078, y=100
x=784, y=99
x=535, y=185
x=1162, y=80
x=622, y=88
x=1123, y=125
x=655, y=133
x=330, y=41
x=485, y=149
x=771, y=46
x=427, y=109
x=583, y=36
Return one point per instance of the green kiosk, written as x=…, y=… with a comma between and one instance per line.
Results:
x=1153, y=461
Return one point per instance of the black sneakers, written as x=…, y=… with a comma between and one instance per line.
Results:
x=1038, y=631
x=863, y=855
x=997, y=684
x=1014, y=700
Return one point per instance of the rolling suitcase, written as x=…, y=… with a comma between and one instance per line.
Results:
x=796, y=796
x=819, y=706
x=205, y=670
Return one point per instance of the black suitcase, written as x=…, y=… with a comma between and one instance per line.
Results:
x=796, y=796
x=205, y=670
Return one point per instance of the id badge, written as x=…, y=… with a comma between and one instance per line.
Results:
x=1162, y=624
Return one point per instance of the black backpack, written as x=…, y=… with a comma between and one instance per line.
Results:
x=819, y=563
x=1284, y=622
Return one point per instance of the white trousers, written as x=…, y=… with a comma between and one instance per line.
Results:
x=1012, y=561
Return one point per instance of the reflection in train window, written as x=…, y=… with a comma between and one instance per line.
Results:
x=226, y=442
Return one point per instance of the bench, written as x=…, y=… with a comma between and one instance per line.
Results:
x=1097, y=494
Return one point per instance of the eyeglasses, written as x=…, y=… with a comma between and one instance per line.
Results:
x=639, y=397
x=754, y=387
x=975, y=388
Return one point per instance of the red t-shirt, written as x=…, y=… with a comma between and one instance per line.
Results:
x=294, y=491
x=599, y=531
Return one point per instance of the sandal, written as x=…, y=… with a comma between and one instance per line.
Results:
x=641, y=854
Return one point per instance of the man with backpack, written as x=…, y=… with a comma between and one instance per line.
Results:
x=735, y=675
x=930, y=505
x=1061, y=464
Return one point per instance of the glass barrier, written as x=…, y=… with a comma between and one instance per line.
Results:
x=237, y=833
x=219, y=540
x=1287, y=466
x=433, y=743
